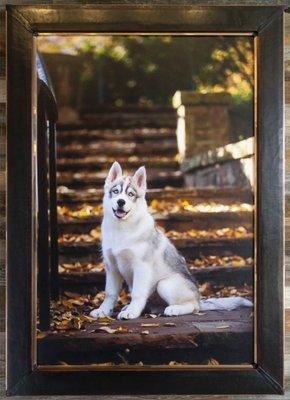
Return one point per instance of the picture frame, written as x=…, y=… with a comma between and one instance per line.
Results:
x=24, y=23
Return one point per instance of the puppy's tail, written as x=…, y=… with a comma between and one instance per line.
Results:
x=224, y=303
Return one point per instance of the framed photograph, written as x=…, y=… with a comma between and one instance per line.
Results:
x=145, y=237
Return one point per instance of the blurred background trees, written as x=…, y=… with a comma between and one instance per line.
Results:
x=121, y=71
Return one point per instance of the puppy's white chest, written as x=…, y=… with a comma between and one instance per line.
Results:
x=124, y=258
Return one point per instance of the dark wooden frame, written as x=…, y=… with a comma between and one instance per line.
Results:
x=266, y=24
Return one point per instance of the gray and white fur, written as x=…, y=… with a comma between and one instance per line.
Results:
x=137, y=252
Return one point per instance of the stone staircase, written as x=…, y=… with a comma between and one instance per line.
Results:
x=211, y=227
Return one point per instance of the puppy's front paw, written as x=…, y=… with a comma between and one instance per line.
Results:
x=100, y=312
x=129, y=313
x=172, y=311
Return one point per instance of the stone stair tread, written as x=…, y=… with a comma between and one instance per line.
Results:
x=150, y=118
x=80, y=247
x=201, y=274
x=243, y=216
x=95, y=195
x=91, y=252
x=157, y=117
x=175, y=179
x=133, y=134
x=118, y=148
x=185, y=215
x=154, y=174
x=104, y=163
x=202, y=224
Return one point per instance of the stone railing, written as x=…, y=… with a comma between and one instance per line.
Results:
x=231, y=165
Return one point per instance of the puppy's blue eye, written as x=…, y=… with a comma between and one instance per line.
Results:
x=130, y=194
x=116, y=191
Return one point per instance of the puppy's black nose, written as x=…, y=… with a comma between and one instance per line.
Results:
x=121, y=202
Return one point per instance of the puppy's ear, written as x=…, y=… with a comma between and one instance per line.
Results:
x=114, y=173
x=140, y=178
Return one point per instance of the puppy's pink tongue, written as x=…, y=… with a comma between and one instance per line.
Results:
x=120, y=213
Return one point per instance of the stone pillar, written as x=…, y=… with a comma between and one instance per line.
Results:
x=64, y=71
x=202, y=121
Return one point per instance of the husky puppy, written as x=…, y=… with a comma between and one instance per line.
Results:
x=136, y=251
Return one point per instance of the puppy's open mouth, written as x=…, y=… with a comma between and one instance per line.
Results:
x=119, y=213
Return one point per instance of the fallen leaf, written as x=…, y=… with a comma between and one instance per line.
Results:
x=104, y=364
x=105, y=319
x=76, y=302
x=150, y=325
x=223, y=326
x=87, y=318
x=122, y=329
x=77, y=323
x=41, y=335
x=169, y=324
x=67, y=304
x=65, y=324
x=212, y=361
x=172, y=363
x=107, y=329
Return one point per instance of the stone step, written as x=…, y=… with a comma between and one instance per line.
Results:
x=86, y=179
x=194, y=248
x=204, y=220
x=92, y=282
x=195, y=339
x=118, y=149
x=173, y=221
x=221, y=195
x=156, y=117
x=137, y=135
x=97, y=163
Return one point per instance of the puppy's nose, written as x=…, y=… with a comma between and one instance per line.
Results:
x=121, y=202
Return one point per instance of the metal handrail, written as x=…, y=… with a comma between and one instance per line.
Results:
x=47, y=203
